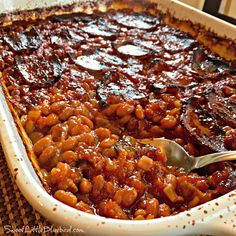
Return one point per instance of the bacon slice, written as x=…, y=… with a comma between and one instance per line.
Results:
x=208, y=64
x=203, y=127
x=29, y=40
x=138, y=20
x=117, y=84
x=31, y=75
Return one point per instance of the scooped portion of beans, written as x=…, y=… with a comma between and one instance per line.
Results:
x=81, y=84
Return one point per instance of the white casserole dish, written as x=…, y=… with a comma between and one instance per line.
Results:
x=217, y=217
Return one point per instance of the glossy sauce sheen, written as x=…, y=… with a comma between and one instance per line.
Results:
x=79, y=83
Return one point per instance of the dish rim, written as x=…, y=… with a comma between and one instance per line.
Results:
x=31, y=187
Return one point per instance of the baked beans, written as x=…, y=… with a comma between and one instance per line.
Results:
x=81, y=83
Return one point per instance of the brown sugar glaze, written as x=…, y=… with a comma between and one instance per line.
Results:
x=80, y=83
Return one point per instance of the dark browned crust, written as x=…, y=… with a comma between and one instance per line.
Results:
x=223, y=46
x=42, y=13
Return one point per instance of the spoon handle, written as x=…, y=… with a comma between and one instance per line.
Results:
x=214, y=157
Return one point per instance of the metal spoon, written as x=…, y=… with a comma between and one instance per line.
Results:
x=178, y=157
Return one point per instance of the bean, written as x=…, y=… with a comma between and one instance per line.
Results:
x=46, y=110
x=139, y=217
x=150, y=217
x=145, y=163
x=70, y=143
x=29, y=126
x=109, y=187
x=109, y=152
x=66, y=113
x=66, y=197
x=124, y=109
x=190, y=149
x=79, y=129
x=149, y=113
x=55, y=159
x=41, y=144
x=123, y=153
x=129, y=197
x=179, y=131
x=94, y=103
x=114, y=136
x=139, y=112
x=118, y=196
x=168, y=122
x=230, y=138
x=86, y=121
x=34, y=115
x=110, y=110
x=132, y=124
x=57, y=107
x=52, y=119
x=55, y=91
x=69, y=156
x=59, y=173
x=168, y=99
x=157, y=118
x=82, y=206
x=152, y=207
x=125, y=119
x=126, y=197
x=73, y=120
x=57, y=132
x=35, y=136
x=171, y=194
x=102, y=133
x=113, y=210
x=47, y=154
x=164, y=210
x=156, y=130
x=41, y=122
x=144, y=134
x=98, y=184
x=108, y=142
x=85, y=186
x=174, y=111
x=102, y=122
x=110, y=165
x=171, y=179
x=138, y=185
x=75, y=103
x=177, y=103
x=87, y=138
x=140, y=212
x=76, y=175
x=82, y=110
x=194, y=202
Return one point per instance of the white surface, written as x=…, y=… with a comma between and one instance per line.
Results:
x=11, y=5
x=194, y=3
x=185, y=12
x=197, y=223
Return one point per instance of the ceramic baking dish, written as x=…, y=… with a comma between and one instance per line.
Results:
x=217, y=217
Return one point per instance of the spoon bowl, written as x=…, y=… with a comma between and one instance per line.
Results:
x=178, y=157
